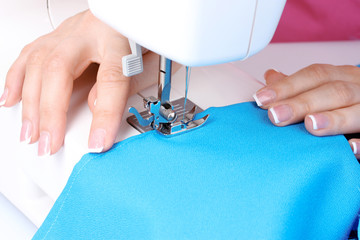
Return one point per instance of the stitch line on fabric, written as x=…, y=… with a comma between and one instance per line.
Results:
x=75, y=177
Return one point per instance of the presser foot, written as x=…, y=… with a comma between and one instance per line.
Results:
x=168, y=119
x=188, y=123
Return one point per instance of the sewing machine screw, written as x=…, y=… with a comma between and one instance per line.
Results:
x=167, y=112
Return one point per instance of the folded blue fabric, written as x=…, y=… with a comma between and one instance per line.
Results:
x=237, y=177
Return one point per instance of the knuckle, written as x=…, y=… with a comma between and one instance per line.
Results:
x=352, y=71
x=112, y=75
x=55, y=63
x=303, y=104
x=342, y=120
x=50, y=112
x=27, y=49
x=107, y=114
x=89, y=17
x=46, y=111
x=318, y=72
x=339, y=123
x=344, y=92
x=28, y=99
x=35, y=58
x=52, y=108
x=306, y=106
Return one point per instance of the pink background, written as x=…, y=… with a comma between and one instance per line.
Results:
x=319, y=20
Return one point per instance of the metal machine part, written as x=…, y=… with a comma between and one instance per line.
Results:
x=161, y=114
x=178, y=108
x=164, y=83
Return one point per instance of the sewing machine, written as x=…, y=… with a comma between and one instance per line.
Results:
x=241, y=29
x=32, y=184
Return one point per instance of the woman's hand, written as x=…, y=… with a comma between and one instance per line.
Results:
x=43, y=75
x=326, y=97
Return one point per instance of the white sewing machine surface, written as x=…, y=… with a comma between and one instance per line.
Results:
x=32, y=184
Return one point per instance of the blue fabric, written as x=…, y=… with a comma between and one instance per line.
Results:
x=237, y=177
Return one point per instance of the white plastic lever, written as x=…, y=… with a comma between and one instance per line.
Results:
x=133, y=63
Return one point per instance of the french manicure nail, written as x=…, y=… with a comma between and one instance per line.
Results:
x=97, y=141
x=355, y=147
x=25, y=134
x=319, y=121
x=44, y=144
x=281, y=113
x=3, y=97
x=264, y=97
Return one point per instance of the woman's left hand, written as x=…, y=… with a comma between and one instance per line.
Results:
x=326, y=97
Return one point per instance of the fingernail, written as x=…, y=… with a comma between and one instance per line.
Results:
x=281, y=113
x=95, y=102
x=25, y=134
x=355, y=147
x=44, y=144
x=3, y=97
x=97, y=141
x=264, y=97
x=319, y=121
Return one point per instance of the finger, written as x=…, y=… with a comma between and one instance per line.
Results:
x=92, y=98
x=112, y=93
x=339, y=121
x=355, y=146
x=272, y=75
x=305, y=80
x=15, y=79
x=31, y=96
x=30, y=54
x=31, y=90
x=329, y=96
x=58, y=72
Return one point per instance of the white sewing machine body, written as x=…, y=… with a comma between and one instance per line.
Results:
x=211, y=32
x=194, y=32
x=32, y=184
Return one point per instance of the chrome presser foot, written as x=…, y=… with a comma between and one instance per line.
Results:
x=162, y=115
x=167, y=120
